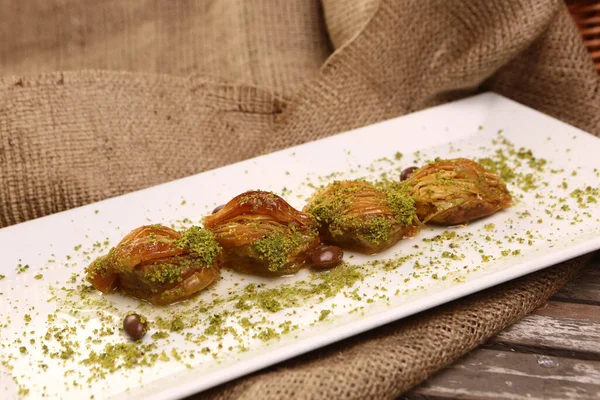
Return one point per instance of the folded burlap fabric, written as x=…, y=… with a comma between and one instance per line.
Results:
x=102, y=98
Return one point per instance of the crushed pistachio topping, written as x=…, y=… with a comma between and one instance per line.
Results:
x=201, y=243
x=401, y=202
x=167, y=273
x=276, y=247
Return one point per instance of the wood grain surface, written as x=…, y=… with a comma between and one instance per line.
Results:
x=554, y=353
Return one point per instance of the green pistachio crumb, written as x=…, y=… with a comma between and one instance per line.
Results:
x=324, y=314
x=201, y=243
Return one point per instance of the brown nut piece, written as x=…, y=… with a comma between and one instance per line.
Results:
x=407, y=173
x=327, y=257
x=218, y=208
x=135, y=326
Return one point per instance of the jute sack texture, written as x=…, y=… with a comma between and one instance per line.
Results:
x=100, y=98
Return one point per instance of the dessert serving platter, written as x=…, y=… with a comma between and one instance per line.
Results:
x=60, y=338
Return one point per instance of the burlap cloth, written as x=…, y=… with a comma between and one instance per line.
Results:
x=150, y=91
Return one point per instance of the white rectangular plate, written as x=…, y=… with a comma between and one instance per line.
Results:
x=43, y=260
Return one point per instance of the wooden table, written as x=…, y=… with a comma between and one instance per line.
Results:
x=554, y=353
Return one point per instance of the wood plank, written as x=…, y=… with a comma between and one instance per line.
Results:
x=566, y=331
x=543, y=333
x=585, y=288
x=490, y=374
x=561, y=309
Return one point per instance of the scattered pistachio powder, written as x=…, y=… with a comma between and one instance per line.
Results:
x=22, y=268
x=324, y=314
